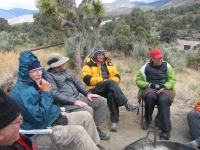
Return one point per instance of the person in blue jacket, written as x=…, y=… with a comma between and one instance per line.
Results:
x=32, y=92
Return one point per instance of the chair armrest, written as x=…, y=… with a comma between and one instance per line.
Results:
x=62, y=109
x=36, y=131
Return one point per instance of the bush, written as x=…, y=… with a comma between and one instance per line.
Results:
x=193, y=61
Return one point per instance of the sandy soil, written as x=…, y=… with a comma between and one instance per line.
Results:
x=130, y=123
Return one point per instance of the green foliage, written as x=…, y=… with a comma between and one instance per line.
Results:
x=196, y=23
x=87, y=9
x=99, y=10
x=48, y=8
x=4, y=41
x=168, y=35
x=168, y=32
x=4, y=26
x=107, y=29
x=138, y=18
x=193, y=61
x=176, y=58
x=108, y=42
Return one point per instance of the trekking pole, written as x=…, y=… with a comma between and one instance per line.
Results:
x=43, y=47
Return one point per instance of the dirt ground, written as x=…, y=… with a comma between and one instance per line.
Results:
x=130, y=123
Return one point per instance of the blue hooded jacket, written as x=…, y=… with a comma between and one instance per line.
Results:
x=38, y=108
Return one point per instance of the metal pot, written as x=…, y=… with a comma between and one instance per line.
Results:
x=147, y=144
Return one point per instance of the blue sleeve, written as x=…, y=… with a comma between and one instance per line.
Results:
x=36, y=106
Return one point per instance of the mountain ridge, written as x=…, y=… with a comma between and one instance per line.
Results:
x=116, y=8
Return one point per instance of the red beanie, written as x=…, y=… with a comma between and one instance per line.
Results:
x=156, y=53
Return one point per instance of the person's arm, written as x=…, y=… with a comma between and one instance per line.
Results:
x=58, y=96
x=114, y=74
x=140, y=81
x=41, y=102
x=89, y=78
x=171, y=79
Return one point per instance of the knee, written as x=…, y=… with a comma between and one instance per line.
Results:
x=90, y=110
x=88, y=113
x=191, y=114
x=112, y=82
x=151, y=96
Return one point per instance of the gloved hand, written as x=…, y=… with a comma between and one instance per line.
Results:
x=156, y=86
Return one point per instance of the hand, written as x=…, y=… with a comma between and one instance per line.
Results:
x=44, y=86
x=90, y=96
x=156, y=86
x=80, y=103
x=159, y=91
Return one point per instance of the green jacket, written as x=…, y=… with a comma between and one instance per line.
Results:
x=142, y=83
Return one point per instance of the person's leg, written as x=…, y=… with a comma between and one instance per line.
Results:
x=83, y=118
x=99, y=106
x=111, y=86
x=73, y=134
x=118, y=96
x=113, y=107
x=162, y=120
x=150, y=102
x=73, y=108
x=102, y=90
x=193, y=118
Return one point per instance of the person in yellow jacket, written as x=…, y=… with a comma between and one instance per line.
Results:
x=102, y=78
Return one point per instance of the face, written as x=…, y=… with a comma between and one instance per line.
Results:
x=10, y=133
x=100, y=57
x=36, y=74
x=157, y=62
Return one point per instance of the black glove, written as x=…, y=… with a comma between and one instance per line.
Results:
x=61, y=120
x=156, y=86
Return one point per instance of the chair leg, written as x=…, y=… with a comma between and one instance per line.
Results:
x=53, y=142
x=142, y=111
x=138, y=108
x=53, y=146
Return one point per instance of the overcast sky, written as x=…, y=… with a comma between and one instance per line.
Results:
x=30, y=4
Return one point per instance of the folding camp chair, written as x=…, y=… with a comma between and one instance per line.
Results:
x=36, y=132
x=143, y=106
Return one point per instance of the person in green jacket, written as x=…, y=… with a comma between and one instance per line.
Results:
x=156, y=81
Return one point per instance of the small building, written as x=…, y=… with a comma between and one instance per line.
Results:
x=187, y=47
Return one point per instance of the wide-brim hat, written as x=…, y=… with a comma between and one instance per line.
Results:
x=56, y=59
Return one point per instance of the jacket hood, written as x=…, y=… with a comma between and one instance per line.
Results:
x=25, y=60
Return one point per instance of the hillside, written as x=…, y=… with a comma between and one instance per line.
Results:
x=177, y=3
x=15, y=12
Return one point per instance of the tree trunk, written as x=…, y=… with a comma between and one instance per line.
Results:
x=94, y=36
x=77, y=56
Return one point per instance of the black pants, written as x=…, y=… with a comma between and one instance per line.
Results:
x=162, y=120
x=115, y=97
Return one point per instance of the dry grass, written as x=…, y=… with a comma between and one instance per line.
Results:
x=9, y=61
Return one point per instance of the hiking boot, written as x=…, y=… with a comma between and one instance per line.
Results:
x=164, y=135
x=114, y=127
x=193, y=144
x=131, y=107
x=102, y=135
x=145, y=125
x=101, y=147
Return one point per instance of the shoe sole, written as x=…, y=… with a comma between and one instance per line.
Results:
x=133, y=109
x=105, y=139
x=113, y=129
